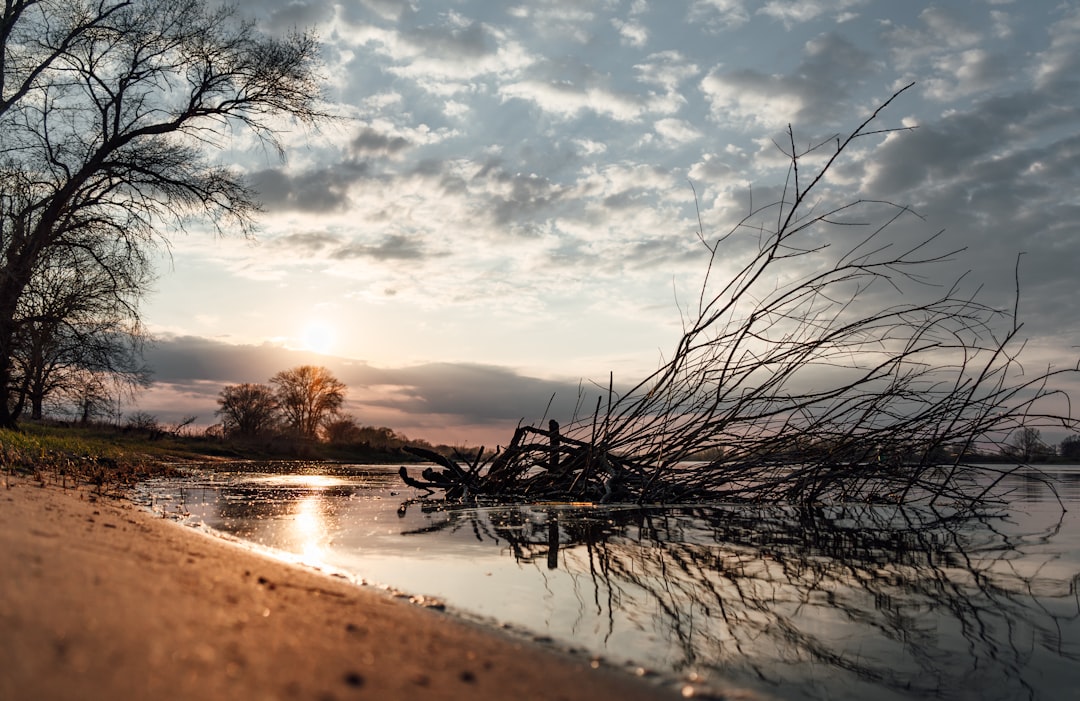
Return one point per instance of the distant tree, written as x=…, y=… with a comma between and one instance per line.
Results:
x=1070, y=447
x=90, y=396
x=1026, y=444
x=247, y=409
x=342, y=430
x=144, y=422
x=306, y=396
x=183, y=426
x=382, y=437
x=108, y=109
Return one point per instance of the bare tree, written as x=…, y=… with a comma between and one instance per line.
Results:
x=824, y=368
x=342, y=430
x=90, y=396
x=108, y=110
x=306, y=396
x=1026, y=444
x=247, y=409
x=79, y=313
x=1070, y=447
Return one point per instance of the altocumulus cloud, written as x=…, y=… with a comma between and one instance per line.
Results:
x=509, y=169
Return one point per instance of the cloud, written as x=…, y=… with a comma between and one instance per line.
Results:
x=469, y=401
x=306, y=244
x=631, y=33
x=478, y=393
x=816, y=92
x=442, y=55
x=1059, y=65
x=516, y=199
x=502, y=170
x=396, y=247
x=799, y=11
x=719, y=15
x=949, y=147
x=387, y=9
x=324, y=183
x=317, y=190
x=191, y=359
x=677, y=131
x=939, y=32
x=459, y=38
x=713, y=170
x=568, y=100
x=965, y=73
x=281, y=16
x=999, y=177
x=667, y=69
x=370, y=141
x=557, y=19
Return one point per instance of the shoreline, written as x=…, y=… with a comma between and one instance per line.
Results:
x=99, y=599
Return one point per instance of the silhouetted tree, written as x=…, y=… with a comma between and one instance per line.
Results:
x=342, y=430
x=1026, y=443
x=147, y=423
x=90, y=395
x=247, y=409
x=1070, y=447
x=107, y=110
x=306, y=395
x=79, y=313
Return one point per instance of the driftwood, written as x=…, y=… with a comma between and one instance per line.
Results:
x=824, y=369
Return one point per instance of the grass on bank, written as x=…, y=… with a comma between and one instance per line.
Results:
x=80, y=456
x=111, y=456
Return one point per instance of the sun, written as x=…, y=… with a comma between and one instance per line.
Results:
x=319, y=337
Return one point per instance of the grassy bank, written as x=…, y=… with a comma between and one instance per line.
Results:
x=82, y=455
x=112, y=457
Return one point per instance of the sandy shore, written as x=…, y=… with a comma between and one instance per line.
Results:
x=101, y=600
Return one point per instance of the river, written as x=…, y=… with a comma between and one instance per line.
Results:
x=829, y=602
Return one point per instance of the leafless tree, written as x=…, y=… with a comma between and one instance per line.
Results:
x=247, y=409
x=825, y=368
x=92, y=395
x=1070, y=447
x=307, y=395
x=79, y=313
x=1026, y=444
x=342, y=430
x=108, y=111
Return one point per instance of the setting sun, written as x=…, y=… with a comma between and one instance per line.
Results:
x=319, y=336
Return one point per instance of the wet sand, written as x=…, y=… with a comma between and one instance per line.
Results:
x=99, y=599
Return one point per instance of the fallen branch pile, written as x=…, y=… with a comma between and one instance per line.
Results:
x=826, y=368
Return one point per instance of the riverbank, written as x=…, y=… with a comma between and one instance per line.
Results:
x=101, y=600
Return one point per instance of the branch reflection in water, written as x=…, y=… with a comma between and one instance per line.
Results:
x=876, y=599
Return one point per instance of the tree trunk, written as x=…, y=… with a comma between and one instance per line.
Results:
x=8, y=418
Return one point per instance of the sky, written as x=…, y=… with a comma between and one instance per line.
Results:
x=507, y=208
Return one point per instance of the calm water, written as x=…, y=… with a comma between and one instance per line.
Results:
x=848, y=602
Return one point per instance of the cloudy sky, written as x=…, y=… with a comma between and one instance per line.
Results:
x=507, y=207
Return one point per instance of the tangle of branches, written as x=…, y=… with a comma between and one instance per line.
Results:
x=812, y=373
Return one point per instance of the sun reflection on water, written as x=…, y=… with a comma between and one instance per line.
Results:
x=310, y=530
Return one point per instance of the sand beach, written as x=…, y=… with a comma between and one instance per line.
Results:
x=100, y=599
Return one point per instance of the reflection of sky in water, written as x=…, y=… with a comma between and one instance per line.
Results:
x=830, y=603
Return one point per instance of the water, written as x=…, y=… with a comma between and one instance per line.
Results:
x=846, y=602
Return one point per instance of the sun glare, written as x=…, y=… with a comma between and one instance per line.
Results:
x=309, y=530
x=319, y=337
